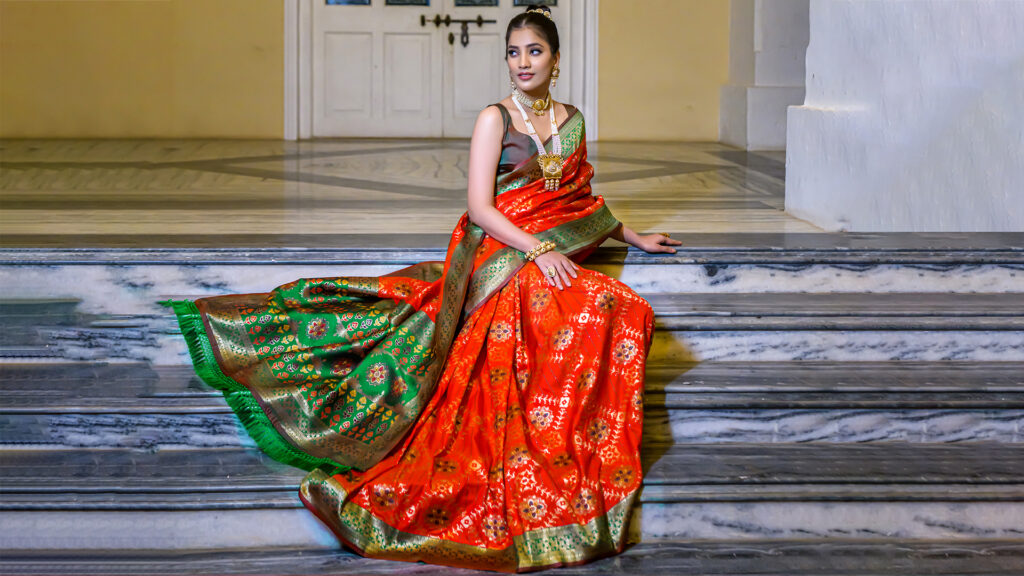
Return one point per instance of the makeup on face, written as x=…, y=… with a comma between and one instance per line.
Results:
x=529, y=62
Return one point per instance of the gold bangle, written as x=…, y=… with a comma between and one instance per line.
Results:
x=539, y=249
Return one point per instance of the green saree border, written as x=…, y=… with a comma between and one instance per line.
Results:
x=239, y=398
x=550, y=547
x=569, y=239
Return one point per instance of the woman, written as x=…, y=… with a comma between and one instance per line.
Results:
x=483, y=413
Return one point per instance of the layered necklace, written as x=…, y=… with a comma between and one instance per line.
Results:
x=550, y=164
x=539, y=105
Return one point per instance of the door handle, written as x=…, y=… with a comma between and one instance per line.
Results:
x=451, y=38
x=437, y=20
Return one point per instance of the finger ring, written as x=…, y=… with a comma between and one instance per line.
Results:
x=666, y=234
x=551, y=271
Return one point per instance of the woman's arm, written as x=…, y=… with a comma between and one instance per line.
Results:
x=647, y=242
x=484, y=154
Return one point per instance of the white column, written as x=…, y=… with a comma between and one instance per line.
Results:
x=767, y=43
x=914, y=117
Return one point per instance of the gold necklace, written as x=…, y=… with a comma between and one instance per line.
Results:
x=550, y=164
x=539, y=105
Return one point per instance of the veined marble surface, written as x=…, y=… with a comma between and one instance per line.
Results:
x=673, y=347
x=204, y=530
x=135, y=289
x=155, y=340
x=841, y=520
x=834, y=425
x=194, y=431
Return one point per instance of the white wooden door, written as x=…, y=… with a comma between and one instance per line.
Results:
x=379, y=71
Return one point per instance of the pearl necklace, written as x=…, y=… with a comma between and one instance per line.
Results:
x=550, y=164
x=539, y=105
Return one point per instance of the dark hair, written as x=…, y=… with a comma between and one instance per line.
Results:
x=540, y=23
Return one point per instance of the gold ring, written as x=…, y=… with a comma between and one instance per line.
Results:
x=666, y=234
x=551, y=271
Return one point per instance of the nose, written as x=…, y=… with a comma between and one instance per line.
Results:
x=524, y=62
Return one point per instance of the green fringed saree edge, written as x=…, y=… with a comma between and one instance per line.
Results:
x=238, y=397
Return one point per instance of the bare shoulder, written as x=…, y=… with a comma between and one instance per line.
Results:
x=489, y=128
x=489, y=115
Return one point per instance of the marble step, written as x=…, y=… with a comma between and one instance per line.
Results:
x=687, y=472
x=266, y=499
x=137, y=343
x=97, y=388
x=712, y=557
x=693, y=327
x=789, y=247
x=964, y=493
x=198, y=431
x=736, y=521
x=130, y=280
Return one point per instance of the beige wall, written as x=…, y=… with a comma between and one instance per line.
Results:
x=660, y=68
x=155, y=68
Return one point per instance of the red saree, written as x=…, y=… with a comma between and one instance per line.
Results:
x=467, y=414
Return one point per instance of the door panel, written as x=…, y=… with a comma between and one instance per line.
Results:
x=376, y=71
x=407, y=73
x=349, y=86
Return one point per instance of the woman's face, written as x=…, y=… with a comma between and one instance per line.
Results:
x=530, y=61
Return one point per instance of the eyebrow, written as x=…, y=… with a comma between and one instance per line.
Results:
x=537, y=44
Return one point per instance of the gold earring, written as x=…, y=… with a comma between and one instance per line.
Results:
x=554, y=76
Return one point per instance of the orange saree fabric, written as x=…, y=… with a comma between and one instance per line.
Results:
x=528, y=453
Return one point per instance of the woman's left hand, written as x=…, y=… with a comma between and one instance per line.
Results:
x=655, y=243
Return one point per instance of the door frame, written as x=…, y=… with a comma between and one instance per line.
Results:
x=298, y=64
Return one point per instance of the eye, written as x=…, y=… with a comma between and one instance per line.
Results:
x=511, y=52
x=536, y=52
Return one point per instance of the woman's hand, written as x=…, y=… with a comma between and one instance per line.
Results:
x=563, y=268
x=655, y=243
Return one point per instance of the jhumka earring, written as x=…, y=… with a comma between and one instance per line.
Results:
x=554, y=76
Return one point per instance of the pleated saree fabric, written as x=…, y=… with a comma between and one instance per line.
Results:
x=463, y=413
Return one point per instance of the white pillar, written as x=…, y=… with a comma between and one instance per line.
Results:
x=767, y=43
x=914, y=117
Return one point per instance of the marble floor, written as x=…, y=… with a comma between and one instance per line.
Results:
x=78, y=193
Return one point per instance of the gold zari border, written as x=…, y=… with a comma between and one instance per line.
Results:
x=569, y=238
x=359, y=529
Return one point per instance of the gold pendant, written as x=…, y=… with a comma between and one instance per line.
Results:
x=551, y=167
x=539, y=106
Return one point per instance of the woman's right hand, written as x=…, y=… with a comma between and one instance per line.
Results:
x=563, y=268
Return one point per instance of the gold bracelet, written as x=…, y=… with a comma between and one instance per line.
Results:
x=534, y=252
x=539, y=249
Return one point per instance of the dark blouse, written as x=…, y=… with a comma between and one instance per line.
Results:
x=517, y=147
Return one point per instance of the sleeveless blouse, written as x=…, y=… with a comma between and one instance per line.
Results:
x=517, y=147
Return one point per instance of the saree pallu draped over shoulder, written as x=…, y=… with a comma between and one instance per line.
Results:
x=338, y=376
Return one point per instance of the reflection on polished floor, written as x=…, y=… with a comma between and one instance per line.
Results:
x=217, y=192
